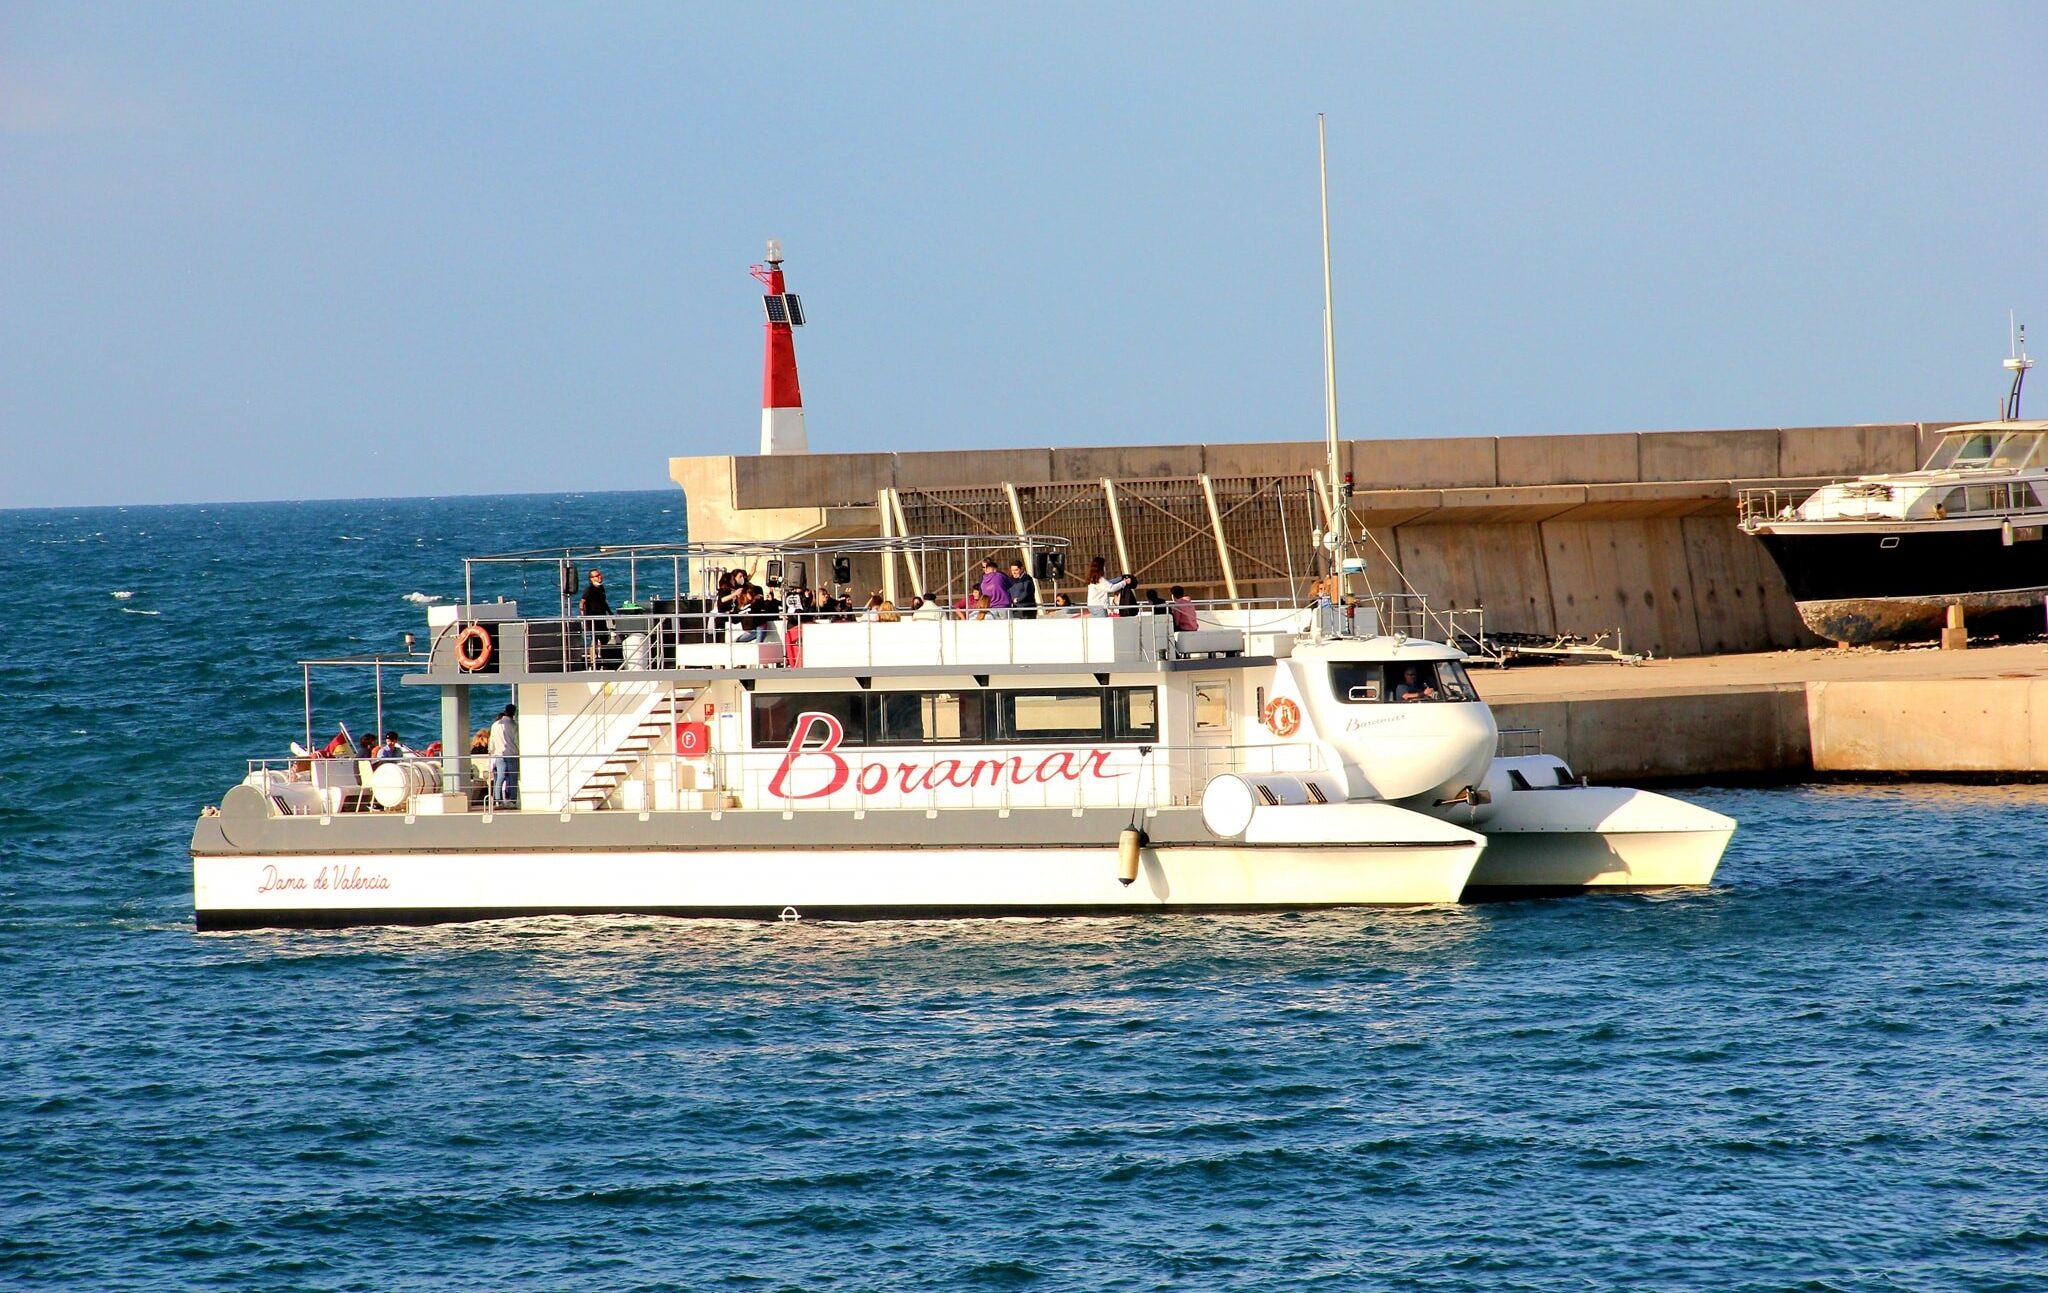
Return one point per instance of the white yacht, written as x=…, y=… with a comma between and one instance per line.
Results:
x=1883, y=557
x=675, y=759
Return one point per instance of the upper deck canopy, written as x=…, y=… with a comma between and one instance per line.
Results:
x=1990, y=446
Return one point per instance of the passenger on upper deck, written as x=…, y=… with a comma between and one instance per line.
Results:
x=1023, y=592
x=390, y=750
x=1124, y=591
x=1061, y=605
x=594, y=604
x=995, y=589
x=596, y=609
x=726, y=601
x=1103, y=591
x=757, y=617
x=1183, y=611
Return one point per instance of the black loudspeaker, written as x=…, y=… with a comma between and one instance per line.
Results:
x=796, y=574
x=842, y=570
x=774, y=571
x=1050, y=565
x=571, y=578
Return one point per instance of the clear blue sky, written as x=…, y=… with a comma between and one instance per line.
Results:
x=295, y=251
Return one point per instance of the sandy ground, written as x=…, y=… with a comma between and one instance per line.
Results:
x=1706, y=673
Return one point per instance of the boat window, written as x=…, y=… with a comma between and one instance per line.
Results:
x=1951, y=502
x=775, y=716
x=2016, y=450
x=918, y=717
x=1405, y=681
x=1134, y=713
x=1985, y=498
x=1050, y=715
x=1965, y=449
x=2024, y=497
x=1356, y=684
x=1212, y=707
x=967, y=717
x=1454, y=683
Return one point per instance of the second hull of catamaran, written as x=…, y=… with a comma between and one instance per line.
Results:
x=1546, y=832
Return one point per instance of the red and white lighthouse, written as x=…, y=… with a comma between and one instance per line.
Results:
x=782, y=403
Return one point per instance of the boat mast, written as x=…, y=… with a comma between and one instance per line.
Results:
x=2017, y=365
x=1339, y=538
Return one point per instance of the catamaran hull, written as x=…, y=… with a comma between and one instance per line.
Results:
x=1519, y=863
x=326, y=890
x=1548, y=833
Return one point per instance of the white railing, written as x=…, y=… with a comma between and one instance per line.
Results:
x=1757, y=505
x=641, y=643
x=1515, y=742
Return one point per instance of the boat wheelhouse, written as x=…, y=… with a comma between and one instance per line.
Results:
x=676, y=755
x=1884, y=557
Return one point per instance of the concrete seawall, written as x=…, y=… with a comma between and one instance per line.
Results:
x=1580, y=534
x=1790, y=715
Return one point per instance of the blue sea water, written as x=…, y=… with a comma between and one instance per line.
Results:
x=1826, y=1073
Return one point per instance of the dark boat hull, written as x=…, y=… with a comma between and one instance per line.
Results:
x=1873, y=586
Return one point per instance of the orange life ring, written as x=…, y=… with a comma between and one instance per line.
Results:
x=473, y=648
x=1283, y=716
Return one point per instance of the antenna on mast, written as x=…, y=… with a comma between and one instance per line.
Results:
x=2017, y=364
x=1339, y=539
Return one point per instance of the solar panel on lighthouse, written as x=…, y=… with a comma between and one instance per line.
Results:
x=786, y=308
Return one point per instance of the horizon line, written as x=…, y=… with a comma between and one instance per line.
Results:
x=354, y=498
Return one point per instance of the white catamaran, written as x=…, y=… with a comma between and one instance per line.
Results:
x=1261, y=757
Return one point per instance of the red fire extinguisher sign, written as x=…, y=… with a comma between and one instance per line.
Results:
x=693, y=740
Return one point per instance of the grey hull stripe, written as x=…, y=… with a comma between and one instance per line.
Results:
x=248, y=918
x=1024, y=830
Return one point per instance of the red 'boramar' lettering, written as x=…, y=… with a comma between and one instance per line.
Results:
x=803, y=760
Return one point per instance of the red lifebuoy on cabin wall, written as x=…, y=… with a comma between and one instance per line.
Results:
x=1283, y=717
x=473, y=649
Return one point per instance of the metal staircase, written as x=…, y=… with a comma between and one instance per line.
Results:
x=599, y=785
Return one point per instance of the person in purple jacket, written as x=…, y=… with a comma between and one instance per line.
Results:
x=996, y=589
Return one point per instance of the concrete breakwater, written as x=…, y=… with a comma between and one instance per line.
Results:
x=1580, y=534
x=1788, y=715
